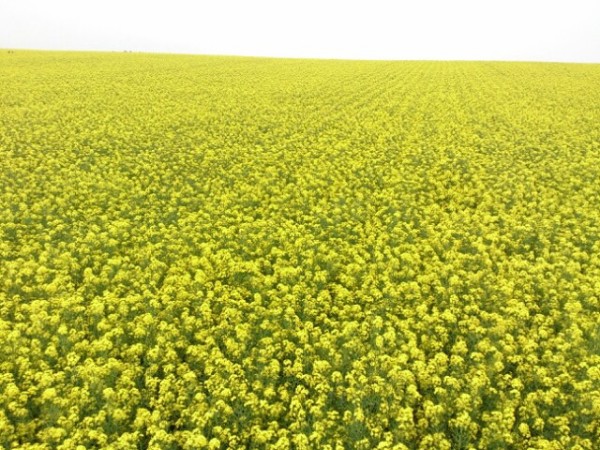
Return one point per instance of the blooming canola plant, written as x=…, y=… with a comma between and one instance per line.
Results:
x=219, y=252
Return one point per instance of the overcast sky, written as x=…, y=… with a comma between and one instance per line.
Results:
x=535, y=30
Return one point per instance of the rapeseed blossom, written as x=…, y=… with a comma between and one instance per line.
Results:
x=215, y=252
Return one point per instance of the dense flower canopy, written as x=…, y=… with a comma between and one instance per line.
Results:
x=217, y=252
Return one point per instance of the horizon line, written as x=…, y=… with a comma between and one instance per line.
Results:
x=318, y=58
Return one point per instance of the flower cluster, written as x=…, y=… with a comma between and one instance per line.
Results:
x=215, y=252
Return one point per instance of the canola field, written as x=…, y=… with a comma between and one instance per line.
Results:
x=246, y=253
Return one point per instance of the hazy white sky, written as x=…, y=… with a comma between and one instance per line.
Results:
x=542, y=30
